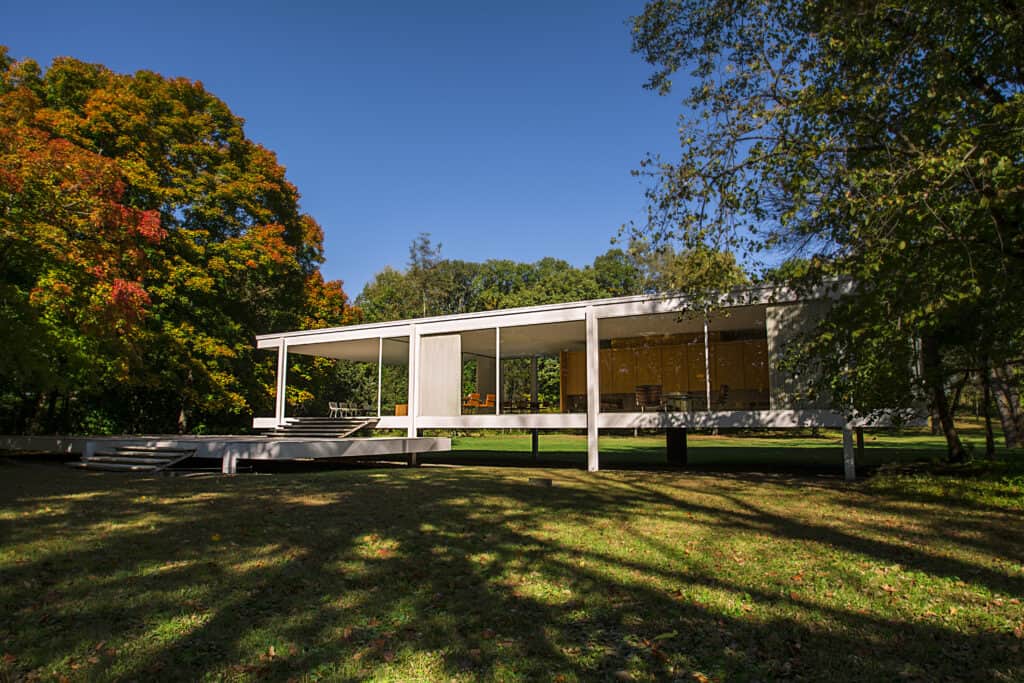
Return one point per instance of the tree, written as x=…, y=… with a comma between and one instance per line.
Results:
x=879, y=140
x=144, y=192
x=695, y=270
x=618, y=273
x=72, y=267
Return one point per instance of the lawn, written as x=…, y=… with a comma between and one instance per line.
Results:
x=723, y=571
x=780, y=450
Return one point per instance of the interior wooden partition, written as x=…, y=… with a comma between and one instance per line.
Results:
x=738, y=362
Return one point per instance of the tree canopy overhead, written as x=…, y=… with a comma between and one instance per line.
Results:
x=146, y=240
x=880, y=141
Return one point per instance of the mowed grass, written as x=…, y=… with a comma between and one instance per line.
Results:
x=723, y=571
x=779, y=450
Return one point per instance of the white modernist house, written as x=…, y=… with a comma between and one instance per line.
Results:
x=628, y=362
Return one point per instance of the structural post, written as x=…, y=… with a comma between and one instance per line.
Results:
x=534, y=407
x=593, y=390
x=849, y=465
x=380, y=371
x=497, y=371
x=860, y=443
x=414, y=382
x=229, y=463
x=707, y=364
x=533, y=385
x=675, y=446
x=282, y=381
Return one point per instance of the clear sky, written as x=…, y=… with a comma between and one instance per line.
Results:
x=506, y=130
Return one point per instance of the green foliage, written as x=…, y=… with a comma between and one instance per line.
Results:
x=879, y=141
x=146, y=240
x=433, y=285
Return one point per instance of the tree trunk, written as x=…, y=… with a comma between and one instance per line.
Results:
x=51, y=411
x=25, y=412
x=931, y=359
x=1007, y=395
x=986, y=402
x=65, y=413
x=955, y=403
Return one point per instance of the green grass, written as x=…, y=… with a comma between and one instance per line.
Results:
x=723, y=571
x=761, y=450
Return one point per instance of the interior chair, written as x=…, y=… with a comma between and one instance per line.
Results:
x=648, y=396
x=472, y=402
x=722, y=401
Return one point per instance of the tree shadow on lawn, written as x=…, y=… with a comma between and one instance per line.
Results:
x=466, y=574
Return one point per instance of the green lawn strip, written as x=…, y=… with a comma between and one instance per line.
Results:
x=475, y=573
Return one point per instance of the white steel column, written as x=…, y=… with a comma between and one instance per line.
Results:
x=380, y=370
x=414, y=383
x=533, y=383
x=849, y=465
x=497, y=371
x=593, y=390
x=707, y=363
x=282, y=380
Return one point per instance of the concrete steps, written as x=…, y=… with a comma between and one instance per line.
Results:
x=135, y=459
x=322, y=427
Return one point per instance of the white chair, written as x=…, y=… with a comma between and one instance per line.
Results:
x=334, y=409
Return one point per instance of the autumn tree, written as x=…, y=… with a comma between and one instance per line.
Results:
x=881, y=141
x=146, y=194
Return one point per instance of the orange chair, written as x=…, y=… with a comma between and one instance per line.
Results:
x=472, y=401
x=489, y=402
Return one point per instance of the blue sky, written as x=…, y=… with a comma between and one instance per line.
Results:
x=506, y=130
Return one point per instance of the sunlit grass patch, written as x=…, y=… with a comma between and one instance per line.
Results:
x=475, y=573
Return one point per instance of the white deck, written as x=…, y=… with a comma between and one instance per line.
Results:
x=230, y=449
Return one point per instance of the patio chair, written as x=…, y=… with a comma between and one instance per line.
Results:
x=334, y=409
x=648, y=396
x=472, y=402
